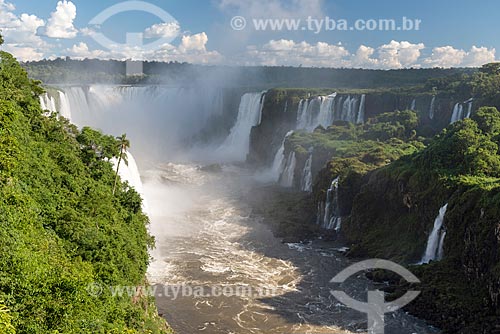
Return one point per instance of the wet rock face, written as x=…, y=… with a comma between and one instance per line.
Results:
x=280, y=111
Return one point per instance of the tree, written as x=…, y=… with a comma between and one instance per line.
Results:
x=1, y=39
x=123, y=144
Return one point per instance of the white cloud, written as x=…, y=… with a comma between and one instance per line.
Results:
x=23, y=31
x=7, y=18
x=192, y=49
x=288, y=52
x=195, y=42
x=168, y=30
x=60, y=24
x=363, y=58
x=81, y=51
x=479, y=56
x=23, y=53
x=399, y=54
x=448, y=56
x=393, y=55
x=445, y=56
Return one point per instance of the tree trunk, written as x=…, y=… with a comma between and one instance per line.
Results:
x=117, y=169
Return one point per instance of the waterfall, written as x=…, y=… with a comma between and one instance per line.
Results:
x=432, y=108
x=286, y=178
x=434, y=250
x=361, y=111
x=302, y=114
x=329, y=213
x=65, y=106
x=306, y=184
x=469, y=107
x=349, y=110
x=48, y=102
x=130, y=173
x=457, y=113
x=324, y=110
x=237, y=144
x=158, y=119
x=413, y=105
x=279, y=159
x=325, y=116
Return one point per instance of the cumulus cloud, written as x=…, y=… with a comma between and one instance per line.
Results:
x=393, y=55
x=478, y=56
x=82, y=51
x=60, y=24
x=288, y=52
x=23, y=53
x=168, y=30
x=399, y=54
x=195, y=42
x=448, y=56
x=445, y=56
x=192, y=49
x=20, y=33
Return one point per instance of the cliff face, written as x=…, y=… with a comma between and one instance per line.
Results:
x=281, y=113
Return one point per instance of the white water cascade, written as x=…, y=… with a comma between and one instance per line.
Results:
x=328, y=215
x=457, y=114
x=158, y=119
x=287, y=177
x=129, y=172
x=48, y=102
x=237, y=144
x=432, y=107
x=413, y=105
x=459, y=111
x=306, y=184
x=361, y=112
x=324, y=110
x=434, y=250
x=279, y=159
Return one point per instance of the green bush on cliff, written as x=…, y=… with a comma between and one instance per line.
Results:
x=61, y=229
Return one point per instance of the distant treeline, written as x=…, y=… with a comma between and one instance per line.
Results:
x=70, y=71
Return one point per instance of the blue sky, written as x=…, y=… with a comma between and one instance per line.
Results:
x=452, y=33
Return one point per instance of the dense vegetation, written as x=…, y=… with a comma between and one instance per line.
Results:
x=61, y=228
x=66, y=70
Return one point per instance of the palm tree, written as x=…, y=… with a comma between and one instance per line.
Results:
x=123, y=144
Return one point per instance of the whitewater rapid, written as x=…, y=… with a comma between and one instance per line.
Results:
x=207, y=236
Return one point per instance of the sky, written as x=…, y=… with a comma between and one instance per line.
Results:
x=383, y=34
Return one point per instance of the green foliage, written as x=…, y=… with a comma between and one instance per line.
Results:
x=61, y=227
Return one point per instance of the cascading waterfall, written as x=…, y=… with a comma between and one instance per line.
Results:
x=128, y=170
x=469, y=107
x=48, y=102
x=237, y=144
x=306, y=184
x=434, y=250
x=325, y=117
x=287, y=177
x=324, y=110
x=302, y=114
x=279, y=159
x=329, y=212
x=361, y=111
x=413, y=105
x=158, y=119
x=432, y=107
x=457, y=113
